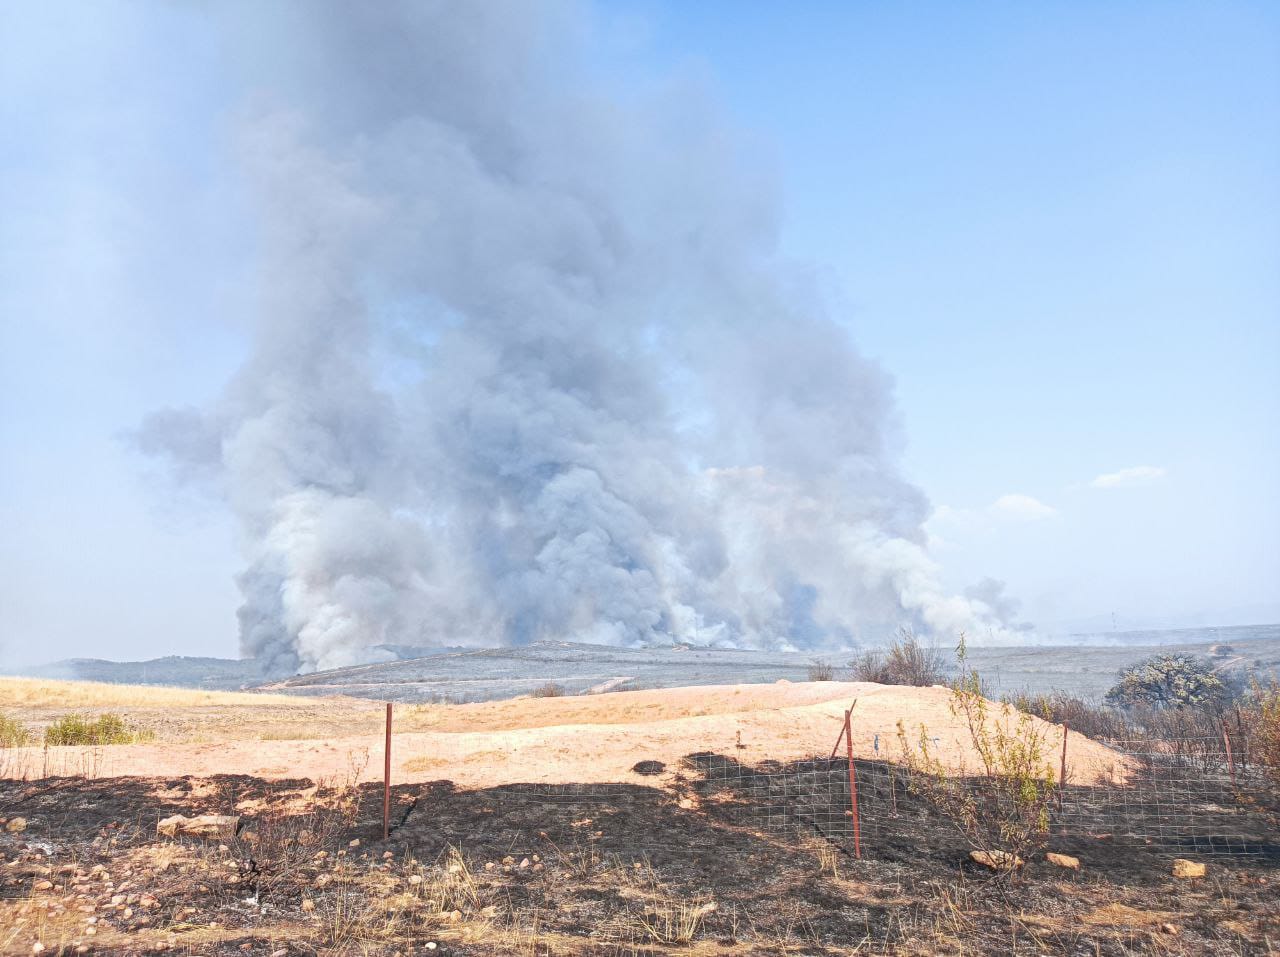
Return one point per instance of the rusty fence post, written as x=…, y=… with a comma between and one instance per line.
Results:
x=853, y=785
x=386, y=780
x=1062, y=774
x=1231, y=763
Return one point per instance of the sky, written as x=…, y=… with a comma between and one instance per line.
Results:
x=1057, y=227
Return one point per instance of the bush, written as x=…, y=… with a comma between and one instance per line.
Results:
x=13, y=733
x=80, y=729
x=1004, y=806
x=821, y=671
x=1263, y=714
x=1083, y=717
x=1170, y=681
x=548, y=690
x=905, y=662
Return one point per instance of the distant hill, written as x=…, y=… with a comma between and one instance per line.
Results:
x=1086, y=667
x=215, y=674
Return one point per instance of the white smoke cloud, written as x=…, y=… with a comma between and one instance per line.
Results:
x=528, y=364
x=1123, y=478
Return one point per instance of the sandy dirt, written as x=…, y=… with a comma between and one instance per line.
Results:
x=585, y=739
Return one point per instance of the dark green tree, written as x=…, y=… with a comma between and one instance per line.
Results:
x=1170, y=681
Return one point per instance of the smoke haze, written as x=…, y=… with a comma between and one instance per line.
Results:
x=528, y=364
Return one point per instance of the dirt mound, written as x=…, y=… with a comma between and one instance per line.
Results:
x=590, y=739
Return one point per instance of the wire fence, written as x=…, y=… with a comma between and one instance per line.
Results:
x=1170, y=801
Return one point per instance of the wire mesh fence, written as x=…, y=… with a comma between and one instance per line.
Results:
x=1166, y=801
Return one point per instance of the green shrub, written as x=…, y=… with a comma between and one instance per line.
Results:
x=1263, y=714
x=81, y=729
x=1002, y=805
x=13, y=733
x=1170, y=681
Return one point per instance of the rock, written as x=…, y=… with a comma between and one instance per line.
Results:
x=43, y=885
x=415, y=879
x=1063, y=860
x=996, y=860
x=1187, y=870
x=220, y=827
x=37, y=948
x=648, y=767
x=354, y=843
x=308, y=906
x=1169, y=928
x=16, y=824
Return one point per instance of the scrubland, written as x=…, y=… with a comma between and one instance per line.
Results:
x=530, y=827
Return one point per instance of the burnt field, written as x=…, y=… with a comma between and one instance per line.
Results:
x=721, y=858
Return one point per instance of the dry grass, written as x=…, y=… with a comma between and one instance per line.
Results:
x=181, y=715
x=548, y=690
x=38, y=693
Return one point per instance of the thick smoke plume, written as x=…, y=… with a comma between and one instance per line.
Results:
x=528, y=364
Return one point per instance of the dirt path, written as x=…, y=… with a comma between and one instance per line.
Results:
x=584, y=739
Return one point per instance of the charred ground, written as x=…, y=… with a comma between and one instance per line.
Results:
x=623, y=869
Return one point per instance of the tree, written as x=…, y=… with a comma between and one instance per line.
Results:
x=1170, y=681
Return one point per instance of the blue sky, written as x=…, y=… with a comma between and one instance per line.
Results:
x=1056, y=225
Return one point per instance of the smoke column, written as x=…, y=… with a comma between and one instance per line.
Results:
x=528, y=363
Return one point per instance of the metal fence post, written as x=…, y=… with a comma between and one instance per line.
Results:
x=853, y=786
x=1231, y=762
x=1062, y=775
x=386, y=779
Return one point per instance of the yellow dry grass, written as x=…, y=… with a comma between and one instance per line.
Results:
x=42, y=693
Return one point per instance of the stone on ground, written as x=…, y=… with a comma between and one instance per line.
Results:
x=1187, y=870
x=996, y=860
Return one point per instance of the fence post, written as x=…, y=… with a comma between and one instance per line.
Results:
x=1231, y=763
x=853, y=786
x=1062, y=775
x=386, y=779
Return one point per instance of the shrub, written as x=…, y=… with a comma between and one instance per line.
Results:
x=1004, y=806
x=1263, y=708
x=13, y=733
x=80, y=729
x=1170, y=681
x=821, y=671
x=548, y=690
x=905, y=662
x=1083, y=717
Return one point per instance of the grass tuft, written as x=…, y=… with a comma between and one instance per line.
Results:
x=79, y=729
x=13, y=733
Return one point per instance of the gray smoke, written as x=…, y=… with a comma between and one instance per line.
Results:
x=528, y=363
